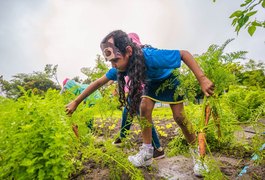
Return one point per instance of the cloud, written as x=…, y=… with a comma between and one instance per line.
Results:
x=68, y=33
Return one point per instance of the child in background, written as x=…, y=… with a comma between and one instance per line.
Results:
x=77, y=88
x=151, y=67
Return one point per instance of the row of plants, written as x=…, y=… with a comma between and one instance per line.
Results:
x=37, y=140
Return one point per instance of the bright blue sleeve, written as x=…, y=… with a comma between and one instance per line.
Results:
x=112, y=74
x=161, y=58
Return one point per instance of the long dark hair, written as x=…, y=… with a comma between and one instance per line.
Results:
x=135, y=71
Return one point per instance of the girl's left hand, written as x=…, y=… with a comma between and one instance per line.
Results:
x=207, y=86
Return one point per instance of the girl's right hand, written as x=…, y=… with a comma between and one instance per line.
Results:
x=71, y=107
x=207, y=86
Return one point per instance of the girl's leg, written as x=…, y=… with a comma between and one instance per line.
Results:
x=146, y=108
x=145, y=156
x=188, y=131
x=183, y=122
x=155, y=140
x=125, y=123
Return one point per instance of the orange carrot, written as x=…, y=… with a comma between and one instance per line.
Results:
x=202, y=144
x=75, y=129
x=207, y=114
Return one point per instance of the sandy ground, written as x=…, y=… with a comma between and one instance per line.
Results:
x=178, y=167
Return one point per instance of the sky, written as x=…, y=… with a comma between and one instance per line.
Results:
x=68, y=32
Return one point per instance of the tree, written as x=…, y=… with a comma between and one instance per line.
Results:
x=253, y=74
x=96, y=72
x=245, y=18
x=38, y=82
x=51, y=71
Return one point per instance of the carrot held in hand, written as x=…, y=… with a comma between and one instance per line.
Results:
x=202, y=144
x=207, y=114
x=201, y=135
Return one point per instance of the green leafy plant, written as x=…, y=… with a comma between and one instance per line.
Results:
x=38, y=82
x=246, y=17
x=244, y=101
x=36, y=141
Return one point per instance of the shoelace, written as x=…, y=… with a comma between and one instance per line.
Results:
x=140, y=153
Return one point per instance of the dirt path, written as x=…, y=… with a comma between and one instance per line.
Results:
x=181, y=167
x=177, y=167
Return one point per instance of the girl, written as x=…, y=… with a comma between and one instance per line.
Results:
x=127, y=121
x=152, y=67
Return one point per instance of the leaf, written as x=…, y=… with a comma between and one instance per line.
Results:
x=255, y=23
x=263, y=4
x=41, y=174
x=27, y=162
x=251, y=13
x=242, y=21
x=246, y=3
x=251, y=30
x=234, y=21
x=237, y=13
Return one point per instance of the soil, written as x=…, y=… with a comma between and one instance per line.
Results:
x=181, y=167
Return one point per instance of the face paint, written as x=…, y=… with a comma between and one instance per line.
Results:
x=110, y=51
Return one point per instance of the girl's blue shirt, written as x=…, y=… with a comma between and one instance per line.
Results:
x=159, y=63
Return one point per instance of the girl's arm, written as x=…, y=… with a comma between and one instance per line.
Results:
x=206, y=85
x=71, y=107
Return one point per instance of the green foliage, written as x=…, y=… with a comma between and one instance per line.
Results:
x=51, y=71
x=244, y=101
x=251, y=65
x=178, y=145
x=247, y=17
x=243, y=18
x=189, y=87
x=228, y=124
x=96, y=72
x=217, y=66
x=36, y=139
x=259, y=147
x=255, y=78
x=253, y=74
x=102, y=152
x=214, y=170
x=39, y=82
x=107, y=155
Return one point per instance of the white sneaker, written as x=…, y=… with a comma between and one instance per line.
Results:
x=143, y=158
x=199, y=167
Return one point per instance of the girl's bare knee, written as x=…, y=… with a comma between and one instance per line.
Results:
x=180, y=120
x=146, y=108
